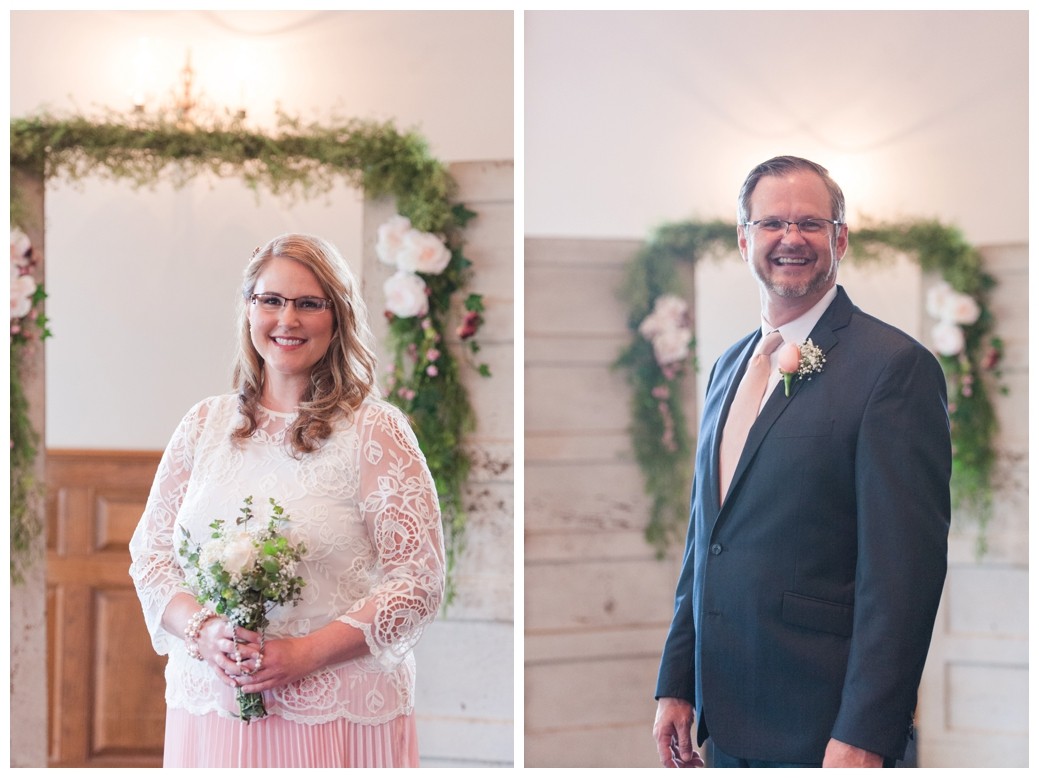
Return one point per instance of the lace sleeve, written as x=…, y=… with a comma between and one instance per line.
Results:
x=154, y=569
x=399, y=505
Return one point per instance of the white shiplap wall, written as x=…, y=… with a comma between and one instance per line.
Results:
x=597, y=601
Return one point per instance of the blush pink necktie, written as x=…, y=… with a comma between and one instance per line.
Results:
x=744, y=408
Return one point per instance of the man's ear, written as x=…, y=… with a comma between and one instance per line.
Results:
x=741, y=241
x=842, y=242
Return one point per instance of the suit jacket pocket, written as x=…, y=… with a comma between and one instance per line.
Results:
x=804, y=429
x=820, y=615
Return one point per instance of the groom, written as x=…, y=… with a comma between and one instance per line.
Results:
x=816, y=551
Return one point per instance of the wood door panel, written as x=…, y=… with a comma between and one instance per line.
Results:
x=105, y=685
x=129, y=708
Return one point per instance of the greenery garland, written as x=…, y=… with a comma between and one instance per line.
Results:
x=660, y=437
x=299, y=159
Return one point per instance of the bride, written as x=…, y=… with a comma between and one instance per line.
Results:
x=304, y=426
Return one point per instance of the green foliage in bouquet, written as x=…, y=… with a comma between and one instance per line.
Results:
x=243, y=572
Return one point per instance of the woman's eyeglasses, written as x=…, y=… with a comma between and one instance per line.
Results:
x=273, y=303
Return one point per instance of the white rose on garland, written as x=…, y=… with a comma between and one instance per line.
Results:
x=946, y=304
x=953, y=310
x=406, y=295
x=423, y=252
x=669, y=329
x=400, y=245
x=672, y=345
x=23, y=287
x=948, y=338
x=390, y=238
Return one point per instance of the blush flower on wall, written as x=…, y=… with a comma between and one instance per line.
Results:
x=948, y=338
x=946, y=304
x=23, y=287
x=411, y=251
x=406, y=295
x=423, y=252
x=953, y=310
x=669, y=328
x=390, y=237
x=400, y=245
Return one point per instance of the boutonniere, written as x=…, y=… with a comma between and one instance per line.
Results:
x=800, y=362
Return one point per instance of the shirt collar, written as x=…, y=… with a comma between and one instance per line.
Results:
x=798, y=330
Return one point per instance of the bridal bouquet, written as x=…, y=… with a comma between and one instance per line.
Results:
x=244, y=570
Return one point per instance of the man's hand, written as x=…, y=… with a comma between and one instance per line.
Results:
x=840, y=754
x=672, y=731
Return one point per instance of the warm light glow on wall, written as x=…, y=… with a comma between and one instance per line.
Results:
x=143, y=90
x=860, y=180
x=222, y=78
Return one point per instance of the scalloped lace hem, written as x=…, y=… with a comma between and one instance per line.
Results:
x=297, y=718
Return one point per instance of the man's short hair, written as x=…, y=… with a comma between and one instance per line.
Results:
x=779, y=165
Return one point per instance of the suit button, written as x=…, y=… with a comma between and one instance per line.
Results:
x=716, y=549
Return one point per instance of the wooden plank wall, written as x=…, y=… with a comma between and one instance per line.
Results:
x=974, y=697
x=594, y=618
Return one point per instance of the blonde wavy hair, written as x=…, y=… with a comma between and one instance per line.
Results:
x=343, y=377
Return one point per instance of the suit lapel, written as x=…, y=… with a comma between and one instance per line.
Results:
x=824, y=335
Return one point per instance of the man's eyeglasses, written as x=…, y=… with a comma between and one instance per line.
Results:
x=805, y=226
x=273, y=303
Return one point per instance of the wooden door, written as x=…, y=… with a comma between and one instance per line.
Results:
x=105, y=683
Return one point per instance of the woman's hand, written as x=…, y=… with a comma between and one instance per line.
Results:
x=272, y=663
x=218, y=648
x=280, y=661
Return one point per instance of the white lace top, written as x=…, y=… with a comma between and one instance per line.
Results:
x=366, y=508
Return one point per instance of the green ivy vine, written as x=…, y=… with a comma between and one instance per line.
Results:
x=662, y=443
x=297, y=160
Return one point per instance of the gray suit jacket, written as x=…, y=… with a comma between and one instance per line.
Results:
x=806, y=603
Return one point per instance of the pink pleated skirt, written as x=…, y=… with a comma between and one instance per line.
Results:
x=216, y=741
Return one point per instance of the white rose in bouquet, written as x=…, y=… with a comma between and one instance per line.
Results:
x=406, y=295
x=239, y=554
x=423, y=252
